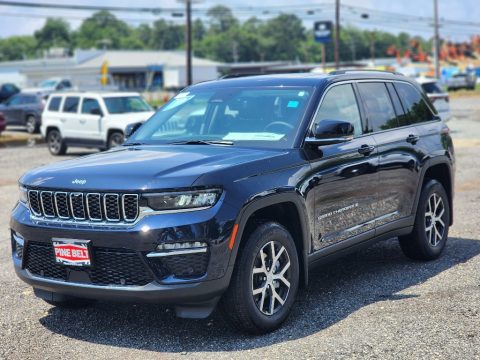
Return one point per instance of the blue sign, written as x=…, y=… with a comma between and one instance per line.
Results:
x=322, y=31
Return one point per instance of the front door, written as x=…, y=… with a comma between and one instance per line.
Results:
x=345, y=174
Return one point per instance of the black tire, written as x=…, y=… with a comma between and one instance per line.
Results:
x=239, y=304
x=422, y=243
x=71, y=302
x=116, y=138
x=55, y=143
x=31, y=124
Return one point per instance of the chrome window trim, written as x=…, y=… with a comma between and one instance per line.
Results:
x=56, y=204
x=123, y=208
x=41, y=204
x=105, y=207
x=88, y=207
x=83, y=205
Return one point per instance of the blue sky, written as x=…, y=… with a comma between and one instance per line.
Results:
x=22, y=21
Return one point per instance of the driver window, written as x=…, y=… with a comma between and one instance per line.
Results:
x=340, y=104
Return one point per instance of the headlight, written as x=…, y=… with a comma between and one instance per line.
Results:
x=23, y=196
x=200, y=199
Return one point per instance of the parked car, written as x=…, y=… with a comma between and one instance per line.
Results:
x=462, y=81
x=437, y=96
x=90, y=119
x=3, y=123
x=7, y=91
x=234, y=190
x=50, y=85
x=24, y=109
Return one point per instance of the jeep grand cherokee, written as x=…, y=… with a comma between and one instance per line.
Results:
x=234, y=189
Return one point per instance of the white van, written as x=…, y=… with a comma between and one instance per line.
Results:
x=90, y=119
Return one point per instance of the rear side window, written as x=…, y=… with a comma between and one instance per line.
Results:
x=88, y=105
x=71, y=104
x=378, y=106
x=340, y=104
x=414, y=104
x=29, y=99
x=54, y=104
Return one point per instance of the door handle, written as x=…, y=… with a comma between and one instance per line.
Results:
x=63, y=120
x=82, y=121
x=412, y=139
x=366, y=149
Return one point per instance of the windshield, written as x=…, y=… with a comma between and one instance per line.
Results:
x=266, y=117
x=126, y=104
x=48, y=84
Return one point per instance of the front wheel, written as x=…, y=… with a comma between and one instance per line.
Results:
x=56, y=145
x=430, y=231
x=115, y=139
x=264, y=282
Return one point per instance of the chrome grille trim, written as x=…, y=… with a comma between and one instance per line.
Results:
x=34, y=193
x=99, y=197
x=89, y=209
x=77, y=194
x=57, y=194
x=42, y=204
x=105, y=199
x=125, y=217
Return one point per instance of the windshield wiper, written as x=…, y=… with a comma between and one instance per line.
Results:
x=202, y=142
x=134, y=144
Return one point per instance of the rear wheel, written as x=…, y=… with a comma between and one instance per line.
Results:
x=265, y=281
x=115, y=139
x=430, y=231
x=55, y=143
x=31, y=125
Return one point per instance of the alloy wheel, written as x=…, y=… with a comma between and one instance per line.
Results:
x=271, y=278
x=55, y=141
x=31, y=125
x=434, y=219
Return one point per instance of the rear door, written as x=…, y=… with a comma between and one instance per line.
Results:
x=344, y=175
x=396, y=137
x=13, y=110
x=70, y=117
x=89, y=119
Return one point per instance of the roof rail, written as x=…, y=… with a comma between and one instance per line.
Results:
x=342, y=72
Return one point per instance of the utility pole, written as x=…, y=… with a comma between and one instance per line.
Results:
x=188, y=40
x=436, y=40
x=337, y=34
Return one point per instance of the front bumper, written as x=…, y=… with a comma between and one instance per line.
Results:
x=212, y=226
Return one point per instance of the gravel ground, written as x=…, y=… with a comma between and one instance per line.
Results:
x=373, y=304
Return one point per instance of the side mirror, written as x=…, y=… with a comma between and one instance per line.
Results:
x=96, y=111
x=329, y=132
x=131, y=128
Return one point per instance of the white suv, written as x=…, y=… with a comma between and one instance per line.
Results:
x=90, y=119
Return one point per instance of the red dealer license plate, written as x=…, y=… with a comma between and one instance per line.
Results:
x=72, y=252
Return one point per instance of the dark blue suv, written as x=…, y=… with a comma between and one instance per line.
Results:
x=234, y=189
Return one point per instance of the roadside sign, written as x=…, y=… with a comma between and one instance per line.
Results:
x=322, y=31
x=104, y=72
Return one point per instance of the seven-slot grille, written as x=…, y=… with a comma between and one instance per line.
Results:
x=107, y=207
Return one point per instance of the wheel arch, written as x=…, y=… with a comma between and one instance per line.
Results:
x=439, y=169
x=281, y=208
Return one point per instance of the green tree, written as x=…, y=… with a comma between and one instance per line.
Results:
x=102, y=29
x=166, y=35
x=17, y=48
x=287, y=34
x=221, y=19
x=55, y=33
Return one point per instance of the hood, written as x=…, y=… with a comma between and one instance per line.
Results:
x=144, y=167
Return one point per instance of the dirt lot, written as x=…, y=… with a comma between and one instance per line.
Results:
x=374, y=304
